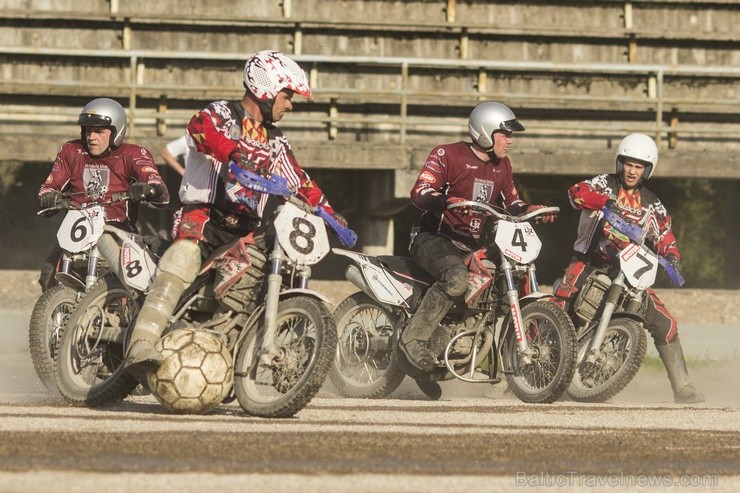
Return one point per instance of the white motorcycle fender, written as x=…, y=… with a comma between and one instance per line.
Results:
x=383, y=287
x=308, y=292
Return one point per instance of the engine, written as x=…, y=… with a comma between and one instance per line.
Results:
x=591, y=297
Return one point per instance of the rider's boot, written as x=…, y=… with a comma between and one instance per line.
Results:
x=415, y=337
x=177, y=269
x=672, y=356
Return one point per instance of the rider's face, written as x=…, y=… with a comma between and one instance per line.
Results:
x=283, y=103
x=97, y=140
x=501, y=142
x=632, y=172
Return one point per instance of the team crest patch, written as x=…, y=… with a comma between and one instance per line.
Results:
x=482, y=192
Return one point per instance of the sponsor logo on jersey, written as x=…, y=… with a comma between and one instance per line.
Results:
x=427, y=177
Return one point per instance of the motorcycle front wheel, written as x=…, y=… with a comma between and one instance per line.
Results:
x=306, y=338
x=88, y=367
x=365, y=363
x=551, y=338
x=622, y=353
x=47, y=320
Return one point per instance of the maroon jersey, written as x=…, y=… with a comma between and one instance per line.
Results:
x=453, y=170
x=91, y=178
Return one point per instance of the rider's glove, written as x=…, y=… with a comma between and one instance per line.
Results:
x=244, y=163
x=673, y=260
x=140, y=191
x=545, y=218
x=54, y=200
x=463, y=210
x=341, y=220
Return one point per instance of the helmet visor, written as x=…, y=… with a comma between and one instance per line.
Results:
x=512, y=126
x=91, y=120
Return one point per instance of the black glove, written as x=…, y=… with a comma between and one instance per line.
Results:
x=674, y=262
x=54, y=200
x=245, y=163
x=140, y=191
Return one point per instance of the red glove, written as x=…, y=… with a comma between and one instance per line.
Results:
x=547, y=218
x=463, y=210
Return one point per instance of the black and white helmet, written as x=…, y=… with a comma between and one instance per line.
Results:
x=489, y=117
x=106, y=113
x=640, y=147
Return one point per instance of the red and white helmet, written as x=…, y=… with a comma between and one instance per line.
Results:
x=268, y=72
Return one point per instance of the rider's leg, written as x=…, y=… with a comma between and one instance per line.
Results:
x=177, y=270
x=443, y=260
x=664, y=329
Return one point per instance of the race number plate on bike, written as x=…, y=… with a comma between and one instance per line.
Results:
x=81, y=229
x=137, y=264
x=518, y=241
x=639, y=265
x=302, y=235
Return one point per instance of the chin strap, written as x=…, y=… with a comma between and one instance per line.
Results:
x=265, y=106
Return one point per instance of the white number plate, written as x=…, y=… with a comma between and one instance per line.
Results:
x=302, y=235
x=518, y=241
x=81, y=229
x=639, y=265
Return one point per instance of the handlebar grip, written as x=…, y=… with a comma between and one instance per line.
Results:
x=346, y=236
x=675, y=276
x=274, y=185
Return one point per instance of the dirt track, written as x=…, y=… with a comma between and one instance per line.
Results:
x=474, y=438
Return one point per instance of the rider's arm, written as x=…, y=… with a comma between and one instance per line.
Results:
x=590, y=195
x=144, y=170
x=665, y=243
x=59, y=177
x=208, y=129
x=426, y=194
x=306, y=188
x=509, y=194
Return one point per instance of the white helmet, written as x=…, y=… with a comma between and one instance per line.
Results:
x=489, y=117
x=268, y=72
x=640, y=147
x=104, y=112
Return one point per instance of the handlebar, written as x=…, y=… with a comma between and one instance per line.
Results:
x=492, y=210
x=115, y=197
x=278, y=185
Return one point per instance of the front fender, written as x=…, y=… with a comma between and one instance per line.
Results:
x=629, y=315
x=532, y=297
x=305, y=292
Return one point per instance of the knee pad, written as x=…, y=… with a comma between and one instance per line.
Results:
x=455, y=282
x=182, y=260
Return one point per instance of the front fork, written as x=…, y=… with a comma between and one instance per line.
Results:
x=512, y=295
x=612, y=297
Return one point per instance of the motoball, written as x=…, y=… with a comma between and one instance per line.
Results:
x=196, y=374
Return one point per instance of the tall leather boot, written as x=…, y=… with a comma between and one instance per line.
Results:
x=672, y=356
x=422, y=325
x=160, y=303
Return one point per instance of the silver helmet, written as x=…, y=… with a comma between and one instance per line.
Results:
x=640, y=147
x=489, y=117
x=104, y=112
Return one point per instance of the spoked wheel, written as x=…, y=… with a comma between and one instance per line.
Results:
x=47, y=320
x=365, y=365
x=622, y=353
x=89, y=360
x=552, y=341
x=306, y=338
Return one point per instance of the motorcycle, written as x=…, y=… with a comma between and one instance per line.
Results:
x=80, y=266
x=280, y=334
x=608, y=316
x=536, y=346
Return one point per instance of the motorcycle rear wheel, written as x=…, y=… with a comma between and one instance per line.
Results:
x=307, y=337
x=361, y=368
x=88, y=367
x=47, y=320
x=623, y=352
x=552, y=337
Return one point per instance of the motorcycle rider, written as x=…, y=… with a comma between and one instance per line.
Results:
x=479, y=170
x=217, y=209
x=597, y=244
x=97, y=165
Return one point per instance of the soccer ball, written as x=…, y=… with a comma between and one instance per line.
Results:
x=196, y=374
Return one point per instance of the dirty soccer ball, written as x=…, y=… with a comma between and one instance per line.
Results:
x=196, y=374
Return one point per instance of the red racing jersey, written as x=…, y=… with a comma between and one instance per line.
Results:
x=454, y=170
x=215, y=134
x=597, y=238
x=95, y=179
